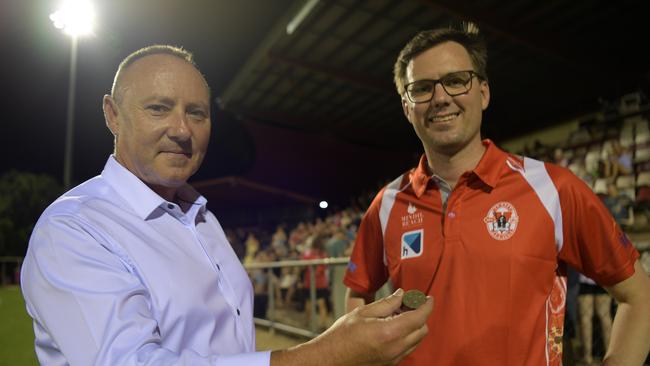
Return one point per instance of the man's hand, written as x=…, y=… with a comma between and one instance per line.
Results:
x=373, y=334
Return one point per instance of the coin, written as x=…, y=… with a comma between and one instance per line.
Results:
x=413, y=299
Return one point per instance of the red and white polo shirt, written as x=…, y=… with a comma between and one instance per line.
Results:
x=498, y=252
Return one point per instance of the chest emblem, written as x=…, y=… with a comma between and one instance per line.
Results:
x=412, y=244
x=501, y=221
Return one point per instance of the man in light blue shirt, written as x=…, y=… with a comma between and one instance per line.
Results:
x=130, y=268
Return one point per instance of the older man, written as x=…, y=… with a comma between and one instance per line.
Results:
x=131, y=268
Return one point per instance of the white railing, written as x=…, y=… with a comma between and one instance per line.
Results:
x=272, y=322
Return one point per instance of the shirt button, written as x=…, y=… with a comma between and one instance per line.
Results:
x=170, y=206
x=451, y=215
x=238, y=313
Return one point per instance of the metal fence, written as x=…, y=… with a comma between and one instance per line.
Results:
x=337, y=292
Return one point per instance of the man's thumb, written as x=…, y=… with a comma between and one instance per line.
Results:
x=384, y=307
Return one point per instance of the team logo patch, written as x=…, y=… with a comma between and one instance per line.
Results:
x=412, y=244
x=502, y=221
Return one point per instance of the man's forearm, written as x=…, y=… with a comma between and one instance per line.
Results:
x=355, y=299
x=630, y=338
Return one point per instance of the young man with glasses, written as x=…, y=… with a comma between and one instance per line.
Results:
x=486, y=233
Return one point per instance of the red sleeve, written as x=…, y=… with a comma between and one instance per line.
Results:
x=592, y=241
x=366, y=271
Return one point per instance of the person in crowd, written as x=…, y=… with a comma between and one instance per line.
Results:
x=487, y=233
x=593, y=297
x=316, y=250
x=130, y=267
x=252, y=246
x=619, y=205
x=261, y=279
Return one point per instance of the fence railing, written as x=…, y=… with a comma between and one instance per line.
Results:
x=337, y=297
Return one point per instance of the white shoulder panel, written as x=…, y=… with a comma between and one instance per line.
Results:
x=536, y=175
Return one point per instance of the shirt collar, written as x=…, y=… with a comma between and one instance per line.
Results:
x=488, y=170
x=490, y=167
x=139, y=196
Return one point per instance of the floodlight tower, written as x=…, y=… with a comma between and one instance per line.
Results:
x=75, y=18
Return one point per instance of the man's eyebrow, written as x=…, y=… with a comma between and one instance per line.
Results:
x=157, y=98
x=198, y=105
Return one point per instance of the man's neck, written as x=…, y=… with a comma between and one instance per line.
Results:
x=167, y=193
x=450, y=166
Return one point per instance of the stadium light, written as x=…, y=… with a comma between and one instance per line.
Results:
x=301, y=15
x=323, y=204
x=75, y=18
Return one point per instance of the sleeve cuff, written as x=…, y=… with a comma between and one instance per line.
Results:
x=246, y=359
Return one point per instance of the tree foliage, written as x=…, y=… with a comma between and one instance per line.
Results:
x=23, y=197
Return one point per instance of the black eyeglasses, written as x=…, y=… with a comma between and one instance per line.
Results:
x=454, y=83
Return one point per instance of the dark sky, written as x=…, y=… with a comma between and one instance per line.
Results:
x=35, y=66
x=222, y=34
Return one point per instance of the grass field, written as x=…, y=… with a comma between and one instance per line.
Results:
x=16, y=334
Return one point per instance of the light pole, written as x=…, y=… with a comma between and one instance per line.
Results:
x=76, y=18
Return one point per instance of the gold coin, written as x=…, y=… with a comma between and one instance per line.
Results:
x=413, y=299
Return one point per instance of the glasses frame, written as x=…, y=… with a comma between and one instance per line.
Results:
x=472, y=73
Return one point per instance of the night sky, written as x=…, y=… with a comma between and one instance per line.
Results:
x=36, y=57
x=222, y=34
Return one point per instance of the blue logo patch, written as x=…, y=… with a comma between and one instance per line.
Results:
x=352, y=266
x=412, y=244
x=623, y=239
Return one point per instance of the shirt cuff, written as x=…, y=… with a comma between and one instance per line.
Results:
x=246, y=359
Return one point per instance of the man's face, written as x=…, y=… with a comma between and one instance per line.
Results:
x=446, y=124
x=161, y=120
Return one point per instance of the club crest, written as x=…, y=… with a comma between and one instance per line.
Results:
x=502, y=221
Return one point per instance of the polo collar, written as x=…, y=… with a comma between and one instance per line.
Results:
x=489, y=168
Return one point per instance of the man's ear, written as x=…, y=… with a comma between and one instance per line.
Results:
x=485, y=94
x=406, y=109
x=110, y=114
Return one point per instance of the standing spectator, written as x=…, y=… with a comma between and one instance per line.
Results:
x=593, y=297
x=317, y=251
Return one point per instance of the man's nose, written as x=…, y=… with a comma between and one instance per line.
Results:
x=179, y=128
x=440, y=96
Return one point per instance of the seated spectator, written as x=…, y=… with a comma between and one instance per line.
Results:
x=619, y=205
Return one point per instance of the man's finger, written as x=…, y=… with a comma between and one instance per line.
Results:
x=383, y=307
x=411, y=320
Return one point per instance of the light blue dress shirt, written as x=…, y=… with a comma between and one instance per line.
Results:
x=116, y=275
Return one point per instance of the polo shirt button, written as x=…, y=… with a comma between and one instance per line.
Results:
x=170, y=206
x=451, y=215
x=238, y=313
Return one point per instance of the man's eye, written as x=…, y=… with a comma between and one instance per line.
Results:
x=421, y=89
x=454, y=81
x=157, y=108
x=197, y=113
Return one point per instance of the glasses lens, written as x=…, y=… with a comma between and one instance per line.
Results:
x=421, y=91
x=457, y=83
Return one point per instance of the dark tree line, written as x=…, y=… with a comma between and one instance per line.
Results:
x=23, y=197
